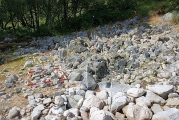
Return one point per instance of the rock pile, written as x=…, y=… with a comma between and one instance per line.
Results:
x=125, y=71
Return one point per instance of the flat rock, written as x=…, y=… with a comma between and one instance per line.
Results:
x=135, y=92
x=115, y=87
x=161, y=90
x=171, y=114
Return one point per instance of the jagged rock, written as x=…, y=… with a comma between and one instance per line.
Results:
x=59, y=100
x=119, y=100
x=37, y=112
x=143, y=101
x=155, y=98
x=135, y=92
x=171, y=114
x=72, y=103
x=156, y=108
x=89, y=81
x=135, y=112
x=74, y=76
x=93, y=101
x=161, y=90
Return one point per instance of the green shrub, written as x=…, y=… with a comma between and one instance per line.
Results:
x=175, y=18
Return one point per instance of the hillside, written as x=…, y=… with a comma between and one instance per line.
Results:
x=122, y=71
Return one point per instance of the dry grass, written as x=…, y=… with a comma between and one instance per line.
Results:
x=156, y=19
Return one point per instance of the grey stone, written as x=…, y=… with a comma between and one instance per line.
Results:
x=135, y=65
x=17, y=90
x=2, y=93
x=171, y=114
x=72, y=103
x=102, y=115
x=154, y=98
x=135, y=112
x=28, y=64
x=74, y=76
x=143, y=101
x=35, y=115
x=156, y=108
x=115, y=87
x=77, y=97
x=89, y=93
x=39, y=108
x=168, y=17
x=172, y=102
x=14, y=112
x=56, y=110
x=135, y=92
x=102, y=95
x=119, y=100
x=47, y=101
x=173, y=95
x=38, y=95
x=80, y=92
x=89, y=81
x=2, y=118
x=59, y=100
x=93, y=101
x=161, y=90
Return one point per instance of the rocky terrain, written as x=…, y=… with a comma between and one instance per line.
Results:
x=125, y=71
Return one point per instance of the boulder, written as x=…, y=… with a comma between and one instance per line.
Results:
x=135, y=92
x=153, y=98
x=102, y=115
x=135, y=112
x=28, y=64
x=115, y=87
x=161, y=90
x=119, y=100
x=156, y=108
x=102, y=95
x=172, y=102
x=89, y=81
x=75, y=76
x=143, y=101
x=59, y=100
x=14, y=112
x=72, y=103
x=93, y=101
x=171, y=114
